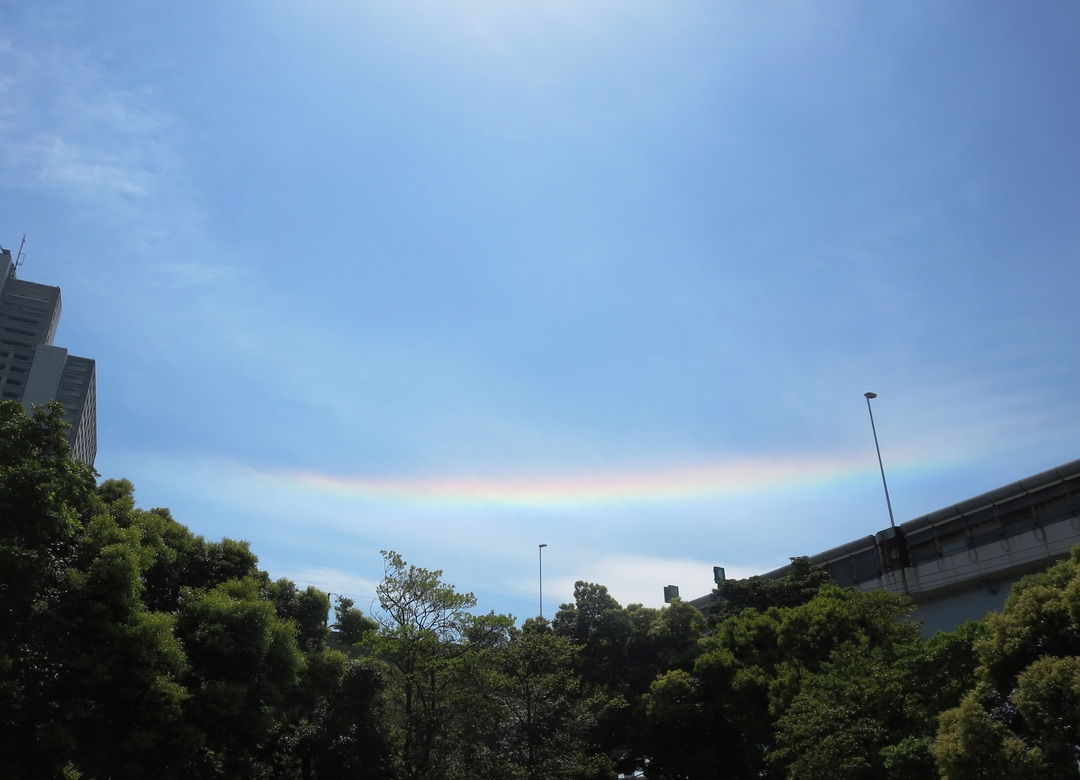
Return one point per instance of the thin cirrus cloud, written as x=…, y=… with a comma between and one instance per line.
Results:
x=334, y=581
x=70, y=132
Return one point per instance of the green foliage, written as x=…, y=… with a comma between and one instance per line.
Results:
x=433, y=651
x=620, y=654
x=1023, y=717
x=417, y=604
x=132, y=648
x=674, y=634
x=307, y=609
x=774, y=677
x=90, y=677
x=44, y=494
x=842, y=718
x=601, y=628
x=679, y=739
x=545, y=711
x=351, y=623
x=346, y=736
x=799, y=586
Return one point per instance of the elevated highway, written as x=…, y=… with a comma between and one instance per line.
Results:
x=958, y=563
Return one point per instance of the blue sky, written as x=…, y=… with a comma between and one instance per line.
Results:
x=460, y=278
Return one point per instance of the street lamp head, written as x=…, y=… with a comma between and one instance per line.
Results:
x=543, y=545
x=870, y=395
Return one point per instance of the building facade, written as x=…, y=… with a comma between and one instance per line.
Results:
x=32, y=369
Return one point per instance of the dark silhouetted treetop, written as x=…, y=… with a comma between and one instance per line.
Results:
x=799, y=586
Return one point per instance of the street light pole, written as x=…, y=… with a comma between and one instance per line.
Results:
x=542, y=579
x=881, y=466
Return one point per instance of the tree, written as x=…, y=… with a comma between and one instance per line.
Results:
x=756, y=664
x=244, y=661
x=347, y=739
x=679, y=739
x=130, y=647
x=872, y=709
x=119, y=665
x=674, y=636
x=428, y=640
x=798, y=586
x=598, y=624
x=45, y=499
x=842, y=718
x=547, y=713
x=622, y=652
x=89, y=678
x=351, y=623
x=1022, y=719
x=307, y=609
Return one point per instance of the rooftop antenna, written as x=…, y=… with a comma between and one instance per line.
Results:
x=19, y=258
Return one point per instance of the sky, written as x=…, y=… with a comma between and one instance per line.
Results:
x=458, y=279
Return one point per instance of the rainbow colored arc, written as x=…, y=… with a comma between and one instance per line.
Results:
x=677, y=484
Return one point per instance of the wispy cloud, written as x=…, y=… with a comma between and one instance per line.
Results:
x=108, y=153
x=333, y=581
x=68, y=131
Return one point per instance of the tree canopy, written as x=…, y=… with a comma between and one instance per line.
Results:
x=131, y=647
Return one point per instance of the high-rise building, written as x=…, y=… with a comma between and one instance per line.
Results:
x=32, y=370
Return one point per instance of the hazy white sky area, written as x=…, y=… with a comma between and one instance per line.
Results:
x=460, y=278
